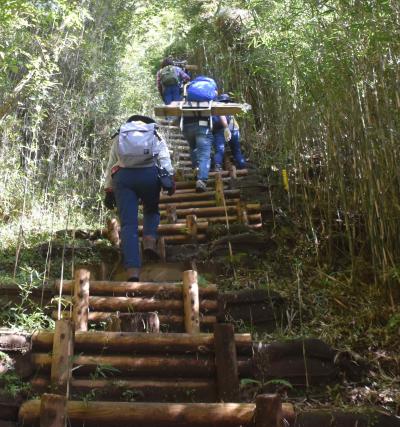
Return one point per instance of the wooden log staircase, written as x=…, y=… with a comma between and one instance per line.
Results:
x=152, y=353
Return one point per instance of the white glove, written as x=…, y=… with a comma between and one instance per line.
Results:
x=227, y=135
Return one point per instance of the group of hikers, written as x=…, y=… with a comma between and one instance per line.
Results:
x=202, y=134
x=139, y=163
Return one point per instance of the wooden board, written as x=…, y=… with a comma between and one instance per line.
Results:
x=195, y=109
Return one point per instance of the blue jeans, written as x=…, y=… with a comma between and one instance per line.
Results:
x=200, y=140
x=130, y=186
x=171, y=93
x=234, y=144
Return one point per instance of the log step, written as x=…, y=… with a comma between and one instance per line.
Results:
x=197, y=196
x=199, y=203
x=137, y=414
x=139, y=342
x=203, y=212
x=166, y=320
x=143, y=304
x=159, y=366
x=153, y=289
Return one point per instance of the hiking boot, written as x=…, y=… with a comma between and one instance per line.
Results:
x=150, y=248
x=217, y=168
x=133, y=274
x=201, y=186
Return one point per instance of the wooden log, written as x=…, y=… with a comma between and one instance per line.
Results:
x=163, y=366
x=139, y=322
x=81, y=300
x=251, y=219
x=226, y=363
x=268, y=411
x=53, y=410
x=126, y=304
x=113, y=323
x=184, y=238
x=197, y=196
x=213, y=211
x=113, y=231
x=63, y=351
x=191, y=224
x=242, y=214
x=200, y=109
x=135, y=414
x=169, y=389
x=240, y=172
x=165, y=319
x=194, y=203
x=219, y=190
x=191, y=302
x=171, y=214
x=155, y=289
x=11, y=340
x=233, y=172
x=129, y=304
x=99, y=341
x=176, y=228
x=161, y=249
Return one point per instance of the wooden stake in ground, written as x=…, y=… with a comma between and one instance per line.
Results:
x=191, y=302
x=268, y=411
x=63, y=351
x=81, y=300
x=53, y=410
x=219, y=190
x=191, y=224
x=226, y=362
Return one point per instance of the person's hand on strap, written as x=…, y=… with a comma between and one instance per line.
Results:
x=109, y=199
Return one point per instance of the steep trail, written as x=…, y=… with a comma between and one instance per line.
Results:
x=160, y=352
x=186, y=362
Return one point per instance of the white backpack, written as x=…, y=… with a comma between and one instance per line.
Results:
x=137, y=144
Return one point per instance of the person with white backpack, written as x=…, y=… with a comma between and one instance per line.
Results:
x=139, y=165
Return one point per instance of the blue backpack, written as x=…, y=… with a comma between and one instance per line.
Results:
x=201, y=89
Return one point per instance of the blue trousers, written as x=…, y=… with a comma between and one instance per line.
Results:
x=200, y=140
x=130, y=186
x=171, y=93
x=234, y=144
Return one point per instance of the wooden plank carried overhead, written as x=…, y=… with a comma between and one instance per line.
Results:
x=200, y=109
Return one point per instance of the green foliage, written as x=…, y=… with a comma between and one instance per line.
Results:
x=13, y=386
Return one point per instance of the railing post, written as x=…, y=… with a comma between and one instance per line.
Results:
x=61, y=361
x=226, y=362
x=81, y=300
x=191, y=302
x=191, y=224
x=268, y=411
x=53, y=410
x=219, y=190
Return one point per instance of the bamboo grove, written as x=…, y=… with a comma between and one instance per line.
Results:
x=322, y=77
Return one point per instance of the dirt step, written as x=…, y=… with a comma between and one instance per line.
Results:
x=156, y=390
